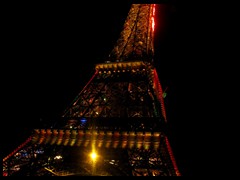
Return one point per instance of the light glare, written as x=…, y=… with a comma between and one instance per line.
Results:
x=93, y=155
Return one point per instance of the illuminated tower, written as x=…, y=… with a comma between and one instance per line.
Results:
x=119, y=114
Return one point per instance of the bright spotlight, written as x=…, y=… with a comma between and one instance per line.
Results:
x=93, y=155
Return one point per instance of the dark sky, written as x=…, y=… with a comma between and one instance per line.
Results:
x=52, y=49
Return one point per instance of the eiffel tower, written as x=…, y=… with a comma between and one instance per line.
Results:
x=119, y=115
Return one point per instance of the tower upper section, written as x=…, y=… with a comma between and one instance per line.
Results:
x=136, y=38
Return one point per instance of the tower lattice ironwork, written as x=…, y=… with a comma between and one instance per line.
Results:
x=119, y=114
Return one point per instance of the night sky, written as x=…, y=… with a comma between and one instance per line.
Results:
x=52, y=50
